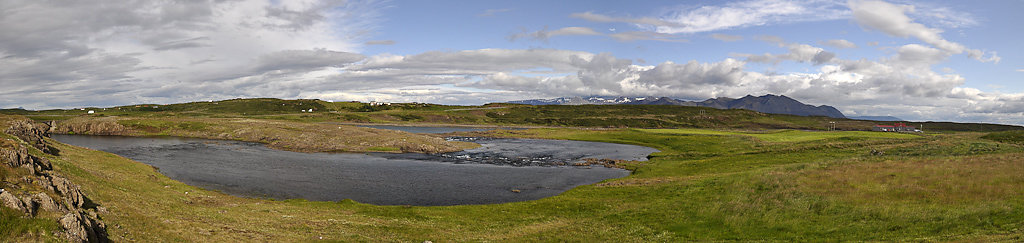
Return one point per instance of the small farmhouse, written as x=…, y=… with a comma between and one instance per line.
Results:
x=898, y=127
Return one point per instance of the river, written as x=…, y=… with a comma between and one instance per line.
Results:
x=478, y=176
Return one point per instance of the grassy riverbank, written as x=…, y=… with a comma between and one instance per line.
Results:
x=706, y=185
x=285, y=135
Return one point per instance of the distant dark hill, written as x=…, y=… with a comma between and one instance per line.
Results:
x=776, y=104
x=875, y=118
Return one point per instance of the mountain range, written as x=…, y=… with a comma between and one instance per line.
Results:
x=776, y=104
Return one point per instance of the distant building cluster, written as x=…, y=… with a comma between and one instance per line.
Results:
x=898, y=127
x=374, y=103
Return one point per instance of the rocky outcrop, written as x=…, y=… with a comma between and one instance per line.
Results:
x=31, y=194
x=82, y=227
x=32, y=133
x=11, y=201
x=45, y=202
x=71, y=193
x=19, y=157
x=91, y=126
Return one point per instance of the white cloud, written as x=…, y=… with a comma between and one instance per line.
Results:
x=840, y=43
x=589, y=16
x=942, y=16
x=924, y=57
x=492, y=12
x=797, y=52
x=545, y=34
x=726, y=38
x=474, y=61
x=892, y=19
x=748, y=13
x=380, y=42
x=645, y=35
x=142, y=51
x=172, y=52
x=305, y=59
x=770, y=39
x=902, y=85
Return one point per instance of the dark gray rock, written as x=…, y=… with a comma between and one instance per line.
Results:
x=70, y=193
x=33, y=134
x=47, y=203
x=11, y=201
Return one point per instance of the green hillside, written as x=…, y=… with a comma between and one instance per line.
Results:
x=604, y=116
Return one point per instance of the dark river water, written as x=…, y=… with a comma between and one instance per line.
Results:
x=485, y=175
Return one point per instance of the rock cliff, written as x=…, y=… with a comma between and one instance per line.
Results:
x=33, y=188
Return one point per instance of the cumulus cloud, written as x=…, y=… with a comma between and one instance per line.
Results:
x=839, y=43
x=140, y=51
x=902, y=84
x=893, y=20
x=726, y=38
x=797, y=52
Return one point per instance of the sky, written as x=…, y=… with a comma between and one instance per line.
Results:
x=917, y=60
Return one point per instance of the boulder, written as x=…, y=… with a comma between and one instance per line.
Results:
x=81, y=227
x=15, y=157
x=30, y=206
x=45, y=202
x=19, y=157
x=32, y=134
x=75, y=228
x=11, y=201
x=70, y=192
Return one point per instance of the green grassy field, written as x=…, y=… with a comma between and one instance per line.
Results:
x=704, y=185
x=606, y=116
x=713, y=181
